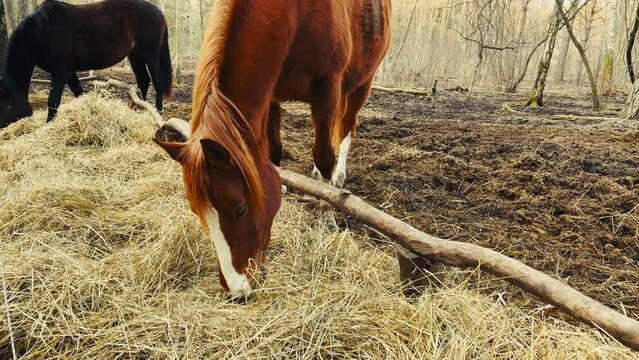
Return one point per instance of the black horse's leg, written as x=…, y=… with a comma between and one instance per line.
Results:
x=154, y=69
x=139, y=69
x=74, y=85
x=58, y=80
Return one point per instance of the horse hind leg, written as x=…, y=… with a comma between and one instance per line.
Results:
x=274, y=133
x=141, y=73
x=355, y=103
x=74, y=84
x=275, y=136
x=153, y=63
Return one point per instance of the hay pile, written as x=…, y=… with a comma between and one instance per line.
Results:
x=102, y=259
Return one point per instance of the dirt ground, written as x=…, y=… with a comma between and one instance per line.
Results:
x=561, y=196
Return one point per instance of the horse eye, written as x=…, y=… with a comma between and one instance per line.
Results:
x=241, y=211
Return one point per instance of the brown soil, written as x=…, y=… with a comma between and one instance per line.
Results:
x=561, y=196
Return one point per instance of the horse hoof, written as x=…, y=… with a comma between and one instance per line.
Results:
x=330, y=222
x=339, y=178
x=316, y=174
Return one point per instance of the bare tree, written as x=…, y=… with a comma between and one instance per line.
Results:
x=3, y=36
x=582, y=53
x=631, y=44
x=536, y=97
x=10, y=15
x=608, y=65
x=520, y=37
x=23, y=10
x=590, y=12
x=565, y=44
x=631, y=109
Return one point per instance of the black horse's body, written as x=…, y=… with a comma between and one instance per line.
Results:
x=62, y=39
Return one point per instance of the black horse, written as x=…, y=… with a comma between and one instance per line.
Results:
x=62, y=39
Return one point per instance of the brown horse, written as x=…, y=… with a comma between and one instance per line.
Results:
x=62, y=39
x=256, y=54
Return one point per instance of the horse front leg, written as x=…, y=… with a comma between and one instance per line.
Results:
x=58, y=81
x=326, y=108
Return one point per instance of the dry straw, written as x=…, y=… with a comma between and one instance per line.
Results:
x=103, y=260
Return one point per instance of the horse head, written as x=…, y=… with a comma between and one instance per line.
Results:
x=12, y=106
x=222, y=193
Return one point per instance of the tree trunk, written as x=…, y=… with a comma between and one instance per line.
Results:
x=519, y=36
x=590, y=15
x=3, y=36
x=631, y=44
x=23, y=10
x=565, y=45
x=593, y=84
x=537, y=95
x=631, y=109
x=608, y=66
x=10, y=15
x=202, y=19
x=178, y=45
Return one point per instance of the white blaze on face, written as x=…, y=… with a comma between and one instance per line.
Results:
x=238, y=283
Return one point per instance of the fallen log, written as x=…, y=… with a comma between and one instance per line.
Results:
x=505, y=107
x=403, y=90
x=464, y=255
x=82, y=79
x=453, y=253
x=581, y=118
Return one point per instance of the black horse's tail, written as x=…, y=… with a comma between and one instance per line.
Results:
x=166, y=68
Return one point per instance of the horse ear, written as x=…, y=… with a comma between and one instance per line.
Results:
x=173, y=149
x=217, y=155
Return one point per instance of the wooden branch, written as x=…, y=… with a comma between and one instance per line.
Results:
x=177, y=125
x=466, y=255
x=43, y=81
x=505, y=107
x=484, y=46
x=403, y=90
x=581, y=118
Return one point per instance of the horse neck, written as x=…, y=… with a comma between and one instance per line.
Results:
x=19, y=64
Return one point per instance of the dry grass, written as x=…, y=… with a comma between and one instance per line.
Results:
x=102, y=259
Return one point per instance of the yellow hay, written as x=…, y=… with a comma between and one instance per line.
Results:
x=103, y=259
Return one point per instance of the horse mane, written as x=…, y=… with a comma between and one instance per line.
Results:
x=44, y=11
x=215, y=117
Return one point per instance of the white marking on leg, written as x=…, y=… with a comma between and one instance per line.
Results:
x=238, y=283
x=339, y=176
x=315, y=174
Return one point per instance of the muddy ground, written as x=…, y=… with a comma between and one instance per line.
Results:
x=561, y=196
